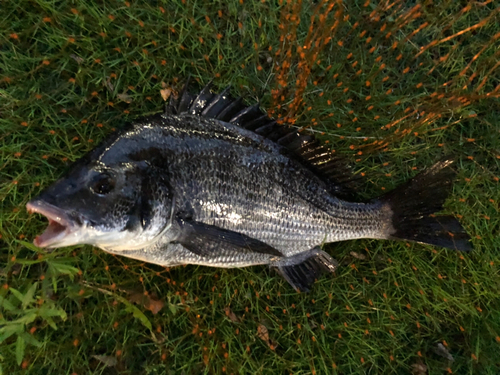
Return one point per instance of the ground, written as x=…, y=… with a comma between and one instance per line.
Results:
x=392, y=86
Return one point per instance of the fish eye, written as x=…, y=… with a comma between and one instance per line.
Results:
x=102, y=184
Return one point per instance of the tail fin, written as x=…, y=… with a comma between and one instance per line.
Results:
x=414, y=203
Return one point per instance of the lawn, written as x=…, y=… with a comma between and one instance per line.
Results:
x=392, y=86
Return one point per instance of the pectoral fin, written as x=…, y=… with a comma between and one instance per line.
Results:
x=205, y=240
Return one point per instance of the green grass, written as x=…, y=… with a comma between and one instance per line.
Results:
x=71, y=72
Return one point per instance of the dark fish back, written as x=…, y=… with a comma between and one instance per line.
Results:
x=333, y=170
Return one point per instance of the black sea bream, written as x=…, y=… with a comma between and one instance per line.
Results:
x=213, y=182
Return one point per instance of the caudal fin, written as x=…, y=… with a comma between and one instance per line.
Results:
x=414, y=203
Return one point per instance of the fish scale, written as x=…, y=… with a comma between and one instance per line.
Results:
x=279, y=211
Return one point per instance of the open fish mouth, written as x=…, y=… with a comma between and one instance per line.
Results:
x=60, y=224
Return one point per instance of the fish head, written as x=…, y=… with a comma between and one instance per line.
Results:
x=101, y=205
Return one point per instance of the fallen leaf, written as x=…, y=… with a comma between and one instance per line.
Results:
x=149, y=302
x=358, y=255
x=109, y=85
x=231, y=315
x=419, y=368
x=168, y=91
x=263, y=333
x=155, y=306
x=78, y=59
x=124, y=97
x=165, y=93
x=107, y=360
x=443, y=352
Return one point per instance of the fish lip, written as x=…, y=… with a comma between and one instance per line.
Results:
x=60, y=223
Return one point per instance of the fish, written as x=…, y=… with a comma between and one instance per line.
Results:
x=212, y=181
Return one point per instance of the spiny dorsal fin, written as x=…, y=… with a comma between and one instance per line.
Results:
x=334, y=170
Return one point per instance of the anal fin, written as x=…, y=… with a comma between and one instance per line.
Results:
x=303, y=269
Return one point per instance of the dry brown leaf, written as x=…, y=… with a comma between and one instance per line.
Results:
x=165, y=93
x=168, y=91
x=263, y=333
x=155, y=306
x=148, y=302
x=231, y=315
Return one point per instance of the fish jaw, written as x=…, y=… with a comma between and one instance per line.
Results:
x=62, y=229
x=73, y=229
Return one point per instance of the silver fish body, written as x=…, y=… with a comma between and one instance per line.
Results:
x=228, y=177
x=212, y=182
